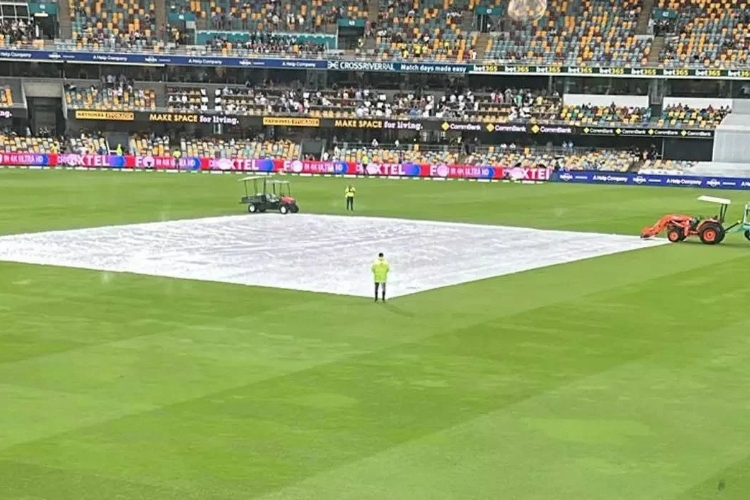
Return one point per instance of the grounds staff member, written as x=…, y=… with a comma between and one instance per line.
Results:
x=380, y=273
x=349, y=193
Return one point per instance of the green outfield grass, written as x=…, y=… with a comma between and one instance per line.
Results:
x=618, y=378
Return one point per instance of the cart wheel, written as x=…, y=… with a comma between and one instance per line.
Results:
x=252, y=208
x=283, y=209
x=674, y=235
x=747, y=234
x=712, y=234
x=295, y=209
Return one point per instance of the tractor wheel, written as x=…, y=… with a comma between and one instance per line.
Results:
x=252, y=208
x=675, y=235
x=711, y=233
x=294, y=208
x=283, y=209
x=747, y=234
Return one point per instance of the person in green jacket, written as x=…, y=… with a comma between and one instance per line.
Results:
x=349, y=193
x=380, y=273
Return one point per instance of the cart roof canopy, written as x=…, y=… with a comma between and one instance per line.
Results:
x=251, y=178
x=276, y=181
x=713, y=199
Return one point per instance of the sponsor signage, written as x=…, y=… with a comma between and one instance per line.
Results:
x=607, y=71
x=192, y=118
x=475, y=172
x=30, y=54
x=651, y=180
x=109, y=116
x=486, y=172
x=664, y=133
x=376, y=124
x=386, y=124
x=280, y=121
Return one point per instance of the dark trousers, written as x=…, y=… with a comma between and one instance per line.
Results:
x=350, y=203
x=380, y=287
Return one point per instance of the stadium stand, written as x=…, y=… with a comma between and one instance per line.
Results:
x=412, y=153
x=519, y=105
x=685, y=116
x=418, y=29
x=581, y=159
x=88, y=142
x=215, y=147
x=187, y=99
x=84, y=142
x=705, y=33
x=604, y=115
x=16, y=32
x=665, y=166
x=6, y=96
x=265, y=43
x=20, y=144
x=261, y=15
x=109, y=23
x=113, y=94
x=495, y=107
x=576, y=32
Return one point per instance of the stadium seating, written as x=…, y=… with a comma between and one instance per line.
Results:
x=411, y=153
x=706, y=33
x=6, y=96
x=104, y=97
x=113, y=22
x=576, y=32
x=599, y=159
x=216, y=147
x=86, y=142
x=263, y=43
x=684, y=116
x=187, y=99
x=13, y=33
x=416, y=29
x=665, y=166
x=260, y=15
x=604, y=115
x=349, y=103
x=19, y=144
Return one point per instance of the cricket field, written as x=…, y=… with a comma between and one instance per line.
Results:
x=158, y=343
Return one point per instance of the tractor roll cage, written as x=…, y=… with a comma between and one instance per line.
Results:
x=724, y=202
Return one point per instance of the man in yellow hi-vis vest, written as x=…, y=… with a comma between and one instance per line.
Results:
x=349, y=193
x=380, y=271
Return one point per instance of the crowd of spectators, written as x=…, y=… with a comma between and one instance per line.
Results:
x=510, y=105
x=571, y=31
x=45, y=141
x=114, y=92
x=6, y=96
x=267, y=43
x=18, y=32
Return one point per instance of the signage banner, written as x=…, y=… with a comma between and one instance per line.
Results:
x=109, y=116
x=631, y=179
x=270, y=166
x=31, y=54
x=606, y=71
x=207, y=117
x=305, y=167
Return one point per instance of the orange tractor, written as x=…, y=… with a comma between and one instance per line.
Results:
x=710, y=230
